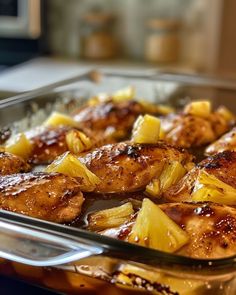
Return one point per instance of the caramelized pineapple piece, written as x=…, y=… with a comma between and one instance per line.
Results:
x=57, y=119
x=162, y=134
x=210, y=188
x=77, y=142
x=228, y=116
x=154, y=108
x=149, y=107
x=19, y=145
x=102, y=97
x=198, y=108
x=110, y=218
x=127, y=93
x=153, y=188
x=70, y=165
x=154, y=229
x=170, y=175
x=146, y=129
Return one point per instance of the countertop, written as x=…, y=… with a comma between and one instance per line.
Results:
x=43, y=71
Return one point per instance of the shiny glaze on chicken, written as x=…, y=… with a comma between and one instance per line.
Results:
x=211, y=228
x=222, y=166
x=10, y=164
x=226, y=142
x=50, y=142
x=190, y=131
x=127, y=167
x=110, y=117
x=54, y=197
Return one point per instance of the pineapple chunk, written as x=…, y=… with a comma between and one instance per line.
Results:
x=162, y=134
x=198, y=108
x=110, y=218
x=70, y=165
x=149, y=107
x=171, y=174
x=127, y=93
x=156, y=108
x=164, y=109
x=19, y=145
x=222, y=110
x=210, y=188
x=153, y=188
x=57, y=119
x=77, y=141
x=146, y=129
x=154, y=229
x=102, y=97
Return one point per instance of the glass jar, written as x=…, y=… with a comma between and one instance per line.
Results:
x=162, y=41
x=97, y=39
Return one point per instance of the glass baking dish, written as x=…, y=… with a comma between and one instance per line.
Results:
x=72, y=260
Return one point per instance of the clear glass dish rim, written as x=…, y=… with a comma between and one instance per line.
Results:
x=112, y=247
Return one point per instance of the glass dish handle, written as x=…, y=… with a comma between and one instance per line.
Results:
x=37, y=247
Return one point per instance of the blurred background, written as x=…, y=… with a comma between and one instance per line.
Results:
x=61, y=37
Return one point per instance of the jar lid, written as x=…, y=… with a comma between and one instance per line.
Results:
x=162, y=23
x=98, y=18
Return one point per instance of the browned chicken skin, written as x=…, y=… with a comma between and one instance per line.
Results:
x=127, y=167
x=54, y=197
x=222, y=166
x=50, y=142
x=10, y=164
x=110, y=117
x=211, y=228
x=190, y=131
x=226, y=142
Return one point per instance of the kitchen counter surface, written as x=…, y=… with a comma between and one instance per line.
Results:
x=43, y=71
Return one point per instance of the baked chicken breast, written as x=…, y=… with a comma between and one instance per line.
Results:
x=211, y=228
x=189, y=131
x=10, y=164
x=49, y=142
x=127, y=167
x=224, y=143
x=116, y=118
x=222, y=166
x=54, y=197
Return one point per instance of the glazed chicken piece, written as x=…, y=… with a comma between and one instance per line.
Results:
x=226, y=142
x=222, y=166
x=49, y=142
x=127, y=167
x=10, y=164
x=189, y=131
x=211, y=228
x=53, y=197
x=111, y=117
